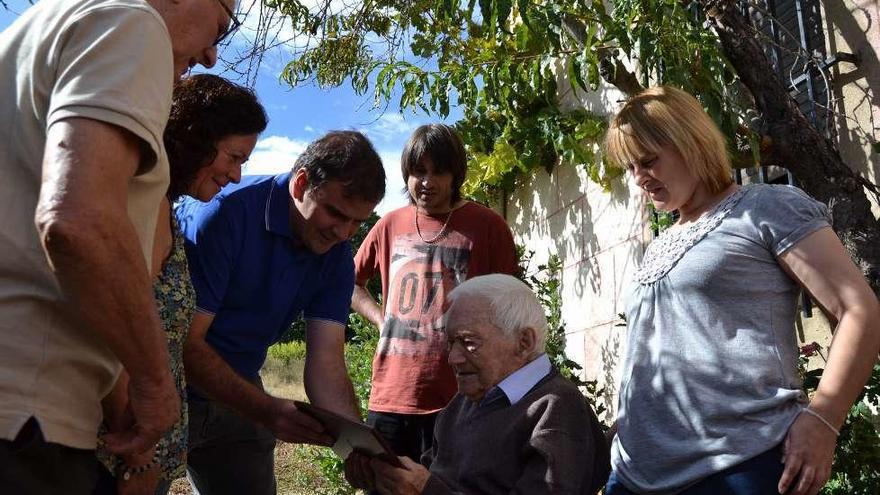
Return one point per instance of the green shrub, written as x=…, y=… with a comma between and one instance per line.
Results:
x=285, y=352
x=359, y=360
x=359, y=353
x=331, y=468
x=546, y=282
x=856, y=468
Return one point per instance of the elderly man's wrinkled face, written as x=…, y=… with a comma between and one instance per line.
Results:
x=194, y=27
x=479, y=352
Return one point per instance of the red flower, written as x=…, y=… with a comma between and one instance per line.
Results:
x=810, y=349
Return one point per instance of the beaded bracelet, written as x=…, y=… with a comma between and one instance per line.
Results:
x=822, y=419
x=127, y=471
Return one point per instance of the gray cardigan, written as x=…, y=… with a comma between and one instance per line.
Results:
x=548, y=442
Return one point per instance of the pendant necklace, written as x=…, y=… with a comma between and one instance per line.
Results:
x=439, y=235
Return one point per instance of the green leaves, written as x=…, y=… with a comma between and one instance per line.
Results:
x=502, y=13
x=546, y=282
x=495, y=15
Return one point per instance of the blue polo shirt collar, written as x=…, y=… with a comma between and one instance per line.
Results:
x=278, y=206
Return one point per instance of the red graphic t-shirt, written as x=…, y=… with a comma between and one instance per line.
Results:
x=410, y=372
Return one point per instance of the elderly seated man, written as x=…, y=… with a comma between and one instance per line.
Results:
x=516, y=425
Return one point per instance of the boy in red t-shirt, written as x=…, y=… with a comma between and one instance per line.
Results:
x=422, y=251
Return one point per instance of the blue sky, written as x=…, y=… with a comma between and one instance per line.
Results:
x=300, y=115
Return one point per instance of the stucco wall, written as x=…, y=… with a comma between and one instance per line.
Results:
x=599, y=238
x=854, y=27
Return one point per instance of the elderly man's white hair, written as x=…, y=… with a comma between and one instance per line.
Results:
x=513, y=306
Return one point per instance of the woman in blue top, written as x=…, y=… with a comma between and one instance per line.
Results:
x=710, y=399
x=212, y=129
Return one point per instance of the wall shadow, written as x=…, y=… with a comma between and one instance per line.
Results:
x=844, y=19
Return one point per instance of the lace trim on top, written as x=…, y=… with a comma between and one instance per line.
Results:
x=664, y=252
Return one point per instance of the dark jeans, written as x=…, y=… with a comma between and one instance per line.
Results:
x=408, y=434
x=228, y=454
x=756, y=476
x=31, y=466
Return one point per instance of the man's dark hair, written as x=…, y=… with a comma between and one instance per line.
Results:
x=347, y=157
x=443, y=146
x=205, y=109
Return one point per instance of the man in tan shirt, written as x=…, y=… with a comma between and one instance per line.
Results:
x=86, y=91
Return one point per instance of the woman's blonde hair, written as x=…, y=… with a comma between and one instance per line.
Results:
x=665, y=116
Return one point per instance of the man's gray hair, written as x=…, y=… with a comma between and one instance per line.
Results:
x=512, y=305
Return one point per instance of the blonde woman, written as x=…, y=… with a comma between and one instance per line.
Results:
x=710, y=400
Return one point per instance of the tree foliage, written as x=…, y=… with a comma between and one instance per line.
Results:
x=501, y=61
x=504, y=62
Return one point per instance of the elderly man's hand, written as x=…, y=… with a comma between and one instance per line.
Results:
x=409, y=480
x=358, y=472
x=147, y=411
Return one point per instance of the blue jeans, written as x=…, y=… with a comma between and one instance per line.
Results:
x=756, y=476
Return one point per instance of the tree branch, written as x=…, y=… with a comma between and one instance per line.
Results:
x=611, y=68
x=795, y=143
x=615, y=73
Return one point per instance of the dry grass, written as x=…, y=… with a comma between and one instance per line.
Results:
x=295, y=471
x=284, y=379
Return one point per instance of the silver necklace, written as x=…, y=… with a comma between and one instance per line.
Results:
x=439, y=235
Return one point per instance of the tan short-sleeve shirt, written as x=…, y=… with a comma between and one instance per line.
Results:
x=107, y=60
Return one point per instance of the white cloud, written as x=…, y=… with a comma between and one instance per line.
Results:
x=390, y=126
x=276, y=154
x=395, y=197
x=309, y=128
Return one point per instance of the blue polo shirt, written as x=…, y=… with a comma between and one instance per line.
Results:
x=249, y=273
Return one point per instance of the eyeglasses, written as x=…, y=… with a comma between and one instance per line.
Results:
x=234, y=24
x=469, y=345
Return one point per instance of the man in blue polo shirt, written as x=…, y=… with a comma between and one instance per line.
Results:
x=261, y=254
